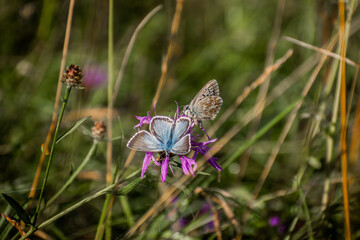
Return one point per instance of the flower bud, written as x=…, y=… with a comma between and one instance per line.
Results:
x=72, y=76
x=98, y=130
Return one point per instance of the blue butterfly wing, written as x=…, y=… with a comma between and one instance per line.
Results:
x=181, y=127
x=182, y=146
x=161, y=128
x=144, y=141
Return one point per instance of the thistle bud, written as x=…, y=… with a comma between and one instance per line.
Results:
x=72, y=76
x=98, y=130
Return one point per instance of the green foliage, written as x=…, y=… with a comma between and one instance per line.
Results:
x=224, y=40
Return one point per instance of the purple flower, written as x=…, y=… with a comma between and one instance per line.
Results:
x=169, y=138
x=94, y=76
x=274, y=221
x=143, y=120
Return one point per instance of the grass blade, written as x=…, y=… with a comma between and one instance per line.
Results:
x=72, y=129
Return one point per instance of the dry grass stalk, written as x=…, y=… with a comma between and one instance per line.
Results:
x=343, y=143
x=263, y=91
x=56, y=104
x=229, y=214
x=15, y=224
x=286, y=129
x=164, y=67
x=247, y=90
x=321, y=50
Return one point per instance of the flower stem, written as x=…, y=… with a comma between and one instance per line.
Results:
x=76, y=172
x=65, y=99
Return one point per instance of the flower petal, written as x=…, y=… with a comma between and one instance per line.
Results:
x=146, y=162
x=213, y=163
x=154, y=161
x=143, y=120
x=188, y=165
x=164, y=168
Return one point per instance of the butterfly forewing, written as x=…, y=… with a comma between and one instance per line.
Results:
x=144, y=141
x=182, y=146
x=210, y=89
x=161, y=127
x=181, y=127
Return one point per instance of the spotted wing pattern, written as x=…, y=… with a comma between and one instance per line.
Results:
x=206, y=104
x=210, y=89
x=207, y=108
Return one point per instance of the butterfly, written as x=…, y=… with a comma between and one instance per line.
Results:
x=206, y=103
x=166, y=135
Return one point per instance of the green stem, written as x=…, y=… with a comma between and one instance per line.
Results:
x=124, y=202
x=76, y=172
x=99, y=230
x=65, y=99
x=306, y=211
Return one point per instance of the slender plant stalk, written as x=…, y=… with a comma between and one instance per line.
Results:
x=306, y=211
x=75, y=173
x=108, y=204
x=110, y=89
x=124, y=201
x=56, y=104
x=263, y=91
x=343, y=123
x=100, y=227
x=66, y=97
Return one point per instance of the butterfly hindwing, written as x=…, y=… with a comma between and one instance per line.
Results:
x=182, y=146
x=145, y=141
x=181, y=127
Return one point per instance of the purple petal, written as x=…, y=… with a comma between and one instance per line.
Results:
x=188, y=165
x=143, y=120
x=171, y=170
x=164, y=168
x=154, y=161
x=146, y=162
x=184, y=165
x=213, y=163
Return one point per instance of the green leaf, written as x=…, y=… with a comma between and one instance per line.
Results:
x=18, y=209
x=203, y=173
x=73, y=128
x=125, y=190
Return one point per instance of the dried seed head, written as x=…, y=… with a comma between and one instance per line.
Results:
x=99, y=130
x=72, y=76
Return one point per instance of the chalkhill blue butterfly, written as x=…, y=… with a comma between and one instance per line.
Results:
x=165, y=136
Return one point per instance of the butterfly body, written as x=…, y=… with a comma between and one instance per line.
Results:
x=165, y=136
x=206, y=104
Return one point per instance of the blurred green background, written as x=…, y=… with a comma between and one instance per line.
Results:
x=222, y=40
